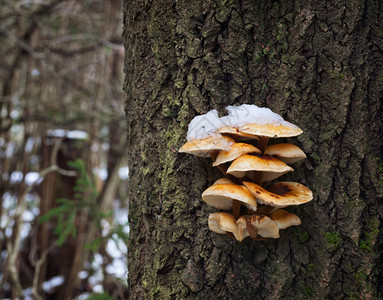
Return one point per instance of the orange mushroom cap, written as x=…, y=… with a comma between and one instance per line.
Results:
x=204, y=147
x=235, y=133
x=265, y=226
x=281, y=194
x=273, y=130
x=236, y=150
x=222, y=222
x=287, y=153
x=221, y=196
x=272, y=166
x=284, y=219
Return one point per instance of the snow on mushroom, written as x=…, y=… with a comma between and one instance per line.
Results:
x=238, y=145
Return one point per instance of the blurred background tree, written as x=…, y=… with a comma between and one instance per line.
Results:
x=62, y=138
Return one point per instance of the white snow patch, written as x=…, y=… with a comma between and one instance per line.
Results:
x=105, y=227
x=247, y=114
x=124, y=173
x=3, y=256
x=35, y=72
x=104, y=130
x=83, y=296
x=10, y=150
x=14, y=114
x=52, y=283
x=16, y=177
x=121, y=216
x=36, y=211
x=25, y=230
x=117, y=268
x=98, y=288
x=28, y=216
x=29, y=144
x=83, y=274
x=77, y=134
x=27, y=293
x=32, y=178
x=56, y=132
x=8, y=232
x=96, y=278
x=9, y=201
x=98, y=260
x=17, y=130
x=4, y=223
x=71, y=134
x=207, y=125
x=113, y=250
x=102, y=173
x=204, y=126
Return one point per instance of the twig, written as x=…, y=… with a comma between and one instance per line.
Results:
x=38, y=265
x=13, y=250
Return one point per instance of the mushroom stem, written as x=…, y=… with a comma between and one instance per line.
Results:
x=255, y=176
x=214, y=154
x=262, y=143
x=236, y=209
x=259, y=238
x=223, y=168
x=251, y=230
x=230, y=235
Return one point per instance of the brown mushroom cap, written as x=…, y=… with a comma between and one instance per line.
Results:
x=236, y=150
x=235, y=133
x=284, y=219
x=274, y=130
x=272, y=166
x=242, y=231
x=223, y=180
x=265, y=226
x=287, y=153
x=221, y=196
x=222, y=222
x=281, y=194
x=204, y=147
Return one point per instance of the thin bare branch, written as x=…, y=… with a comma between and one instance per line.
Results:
x=38, y=265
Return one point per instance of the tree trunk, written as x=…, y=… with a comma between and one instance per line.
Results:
x=318, y=64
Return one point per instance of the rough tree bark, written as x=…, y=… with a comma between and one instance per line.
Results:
x=316, y=63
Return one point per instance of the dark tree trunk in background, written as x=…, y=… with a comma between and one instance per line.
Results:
x=318, y=64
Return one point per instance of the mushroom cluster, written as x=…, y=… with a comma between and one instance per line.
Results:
x=238, y=144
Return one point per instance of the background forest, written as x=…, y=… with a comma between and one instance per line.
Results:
x=63, y=226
